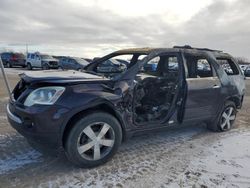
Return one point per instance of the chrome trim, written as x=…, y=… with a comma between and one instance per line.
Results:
x=12, y=116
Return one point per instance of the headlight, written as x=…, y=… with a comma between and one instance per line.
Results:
x=44, y=95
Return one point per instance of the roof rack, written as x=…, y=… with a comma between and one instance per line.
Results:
x=189, y=47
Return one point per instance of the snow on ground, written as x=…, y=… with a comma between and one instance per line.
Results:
x=19, y=160
x=227, y=165
x=18, y=157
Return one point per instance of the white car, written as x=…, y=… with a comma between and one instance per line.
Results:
x=37, y=60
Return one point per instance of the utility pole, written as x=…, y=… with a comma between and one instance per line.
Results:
x=5, y=78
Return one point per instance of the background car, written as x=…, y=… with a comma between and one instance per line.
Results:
x=111, y=65
x=44, y=61
x=247, y=71
x=243, y=67
x=11, y=59
x=73, y=63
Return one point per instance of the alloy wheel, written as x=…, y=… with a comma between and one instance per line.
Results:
x=96, y=141
x=227, y=118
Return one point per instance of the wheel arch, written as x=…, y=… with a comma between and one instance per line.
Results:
x=103, y=107
x=237, y=100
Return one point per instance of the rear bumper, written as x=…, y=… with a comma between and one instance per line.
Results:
x=39, y=125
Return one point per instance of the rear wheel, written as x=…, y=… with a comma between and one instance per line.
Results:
x=93, y=140
x=45, y=66
x=60, y=68
x=226, y=118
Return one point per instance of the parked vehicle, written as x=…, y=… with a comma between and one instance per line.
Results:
x=88, y=114
x=11, y=59
x=111, y=65
x=38, y=60
x=243, y=67
x=72, y=63
x=247, y=71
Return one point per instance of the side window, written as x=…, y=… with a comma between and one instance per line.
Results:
x=32, y=56
x=173, y=64
x=198, y=67
x=203, y=68
x=72, y=61
x=161, y=66
x=151, y=66
x=229, y=66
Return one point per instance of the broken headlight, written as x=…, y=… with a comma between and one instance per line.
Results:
x=44, y=95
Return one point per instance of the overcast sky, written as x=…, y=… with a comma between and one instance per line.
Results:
x=90, y=28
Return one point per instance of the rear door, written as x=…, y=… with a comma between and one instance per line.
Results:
x=203, y=88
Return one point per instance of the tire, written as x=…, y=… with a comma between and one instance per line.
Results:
x=29, y=66
x=8, y=65
x=45, y=66
x=97, y=150
x=225, y=120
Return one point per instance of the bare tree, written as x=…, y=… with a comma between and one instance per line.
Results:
x=242, y=60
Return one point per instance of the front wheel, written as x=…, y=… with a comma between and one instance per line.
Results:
x=8, y=65
x=93, y=140
x=226, y=118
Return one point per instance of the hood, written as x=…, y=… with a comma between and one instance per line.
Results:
x=51, y=76
x=50, y=59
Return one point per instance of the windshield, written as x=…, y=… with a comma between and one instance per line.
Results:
x=46, y=57
x=82, y=61
x=115, y=66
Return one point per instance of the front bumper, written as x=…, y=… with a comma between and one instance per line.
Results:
x=53, y=66
x=39, y=124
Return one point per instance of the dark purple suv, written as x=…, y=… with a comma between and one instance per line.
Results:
x=88, y=114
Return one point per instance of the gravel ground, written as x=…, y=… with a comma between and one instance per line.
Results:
x=186, y=157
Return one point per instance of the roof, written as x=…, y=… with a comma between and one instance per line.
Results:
x=148, y=50
x=145, y=50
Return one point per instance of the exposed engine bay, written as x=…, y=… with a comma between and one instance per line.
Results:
x=153, y=97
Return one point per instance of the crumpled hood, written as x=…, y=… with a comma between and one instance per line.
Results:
x=52, y=76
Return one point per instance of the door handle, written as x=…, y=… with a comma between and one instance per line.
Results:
x=216, y=86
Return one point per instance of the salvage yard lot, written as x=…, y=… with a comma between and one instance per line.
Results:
x=178, y=158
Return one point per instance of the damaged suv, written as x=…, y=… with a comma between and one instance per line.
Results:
x=88, y=114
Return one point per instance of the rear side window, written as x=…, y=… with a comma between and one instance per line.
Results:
x=198, y=67
x=203, y=69
x=229, y=66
